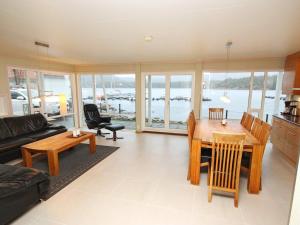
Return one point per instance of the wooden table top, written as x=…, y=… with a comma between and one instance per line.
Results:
x=58, y=142
x=204, y=129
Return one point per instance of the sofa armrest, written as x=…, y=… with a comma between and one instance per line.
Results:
x=52, y=127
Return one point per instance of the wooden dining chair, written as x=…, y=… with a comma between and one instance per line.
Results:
x=256, y=127
x=243, y=118
x=262, y=135
x=215, y=113
x=205, y=156
x=248, y=121
x=227, y=150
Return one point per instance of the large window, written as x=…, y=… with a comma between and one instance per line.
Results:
x=114, y=95
x=263, y=89
x=58, y=99
x=155, y=101
x=35, y=91
x=180, y=100
x=18, y=91
x=274, y=99
x=234, y=85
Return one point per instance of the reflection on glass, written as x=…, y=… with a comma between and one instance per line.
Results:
x=18, y=91
x=155, y=101
x=180, y=100
x=50, y=95
x=34, y=89
x=58, y=99
x=237, y=87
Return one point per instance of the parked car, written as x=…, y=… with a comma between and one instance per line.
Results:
x=20, y=102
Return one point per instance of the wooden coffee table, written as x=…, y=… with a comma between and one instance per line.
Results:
x=54, y=145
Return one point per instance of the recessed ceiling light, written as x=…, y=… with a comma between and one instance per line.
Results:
x=148, y=38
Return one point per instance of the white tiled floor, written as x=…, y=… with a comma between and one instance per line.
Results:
x=144, y=182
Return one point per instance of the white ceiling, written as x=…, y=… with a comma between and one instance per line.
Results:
x=112, y=31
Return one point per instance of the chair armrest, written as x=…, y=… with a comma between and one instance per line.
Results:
x=105, y=119
x=91, y=124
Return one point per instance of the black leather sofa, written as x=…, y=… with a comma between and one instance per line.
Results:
x=20, y=189
x=21, y=130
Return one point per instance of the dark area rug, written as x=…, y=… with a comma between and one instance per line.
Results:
x=72, y=164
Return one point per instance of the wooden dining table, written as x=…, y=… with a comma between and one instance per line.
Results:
x=203, y=138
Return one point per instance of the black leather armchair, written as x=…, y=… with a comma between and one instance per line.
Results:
x=94, y=120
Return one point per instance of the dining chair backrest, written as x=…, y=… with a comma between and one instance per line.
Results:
x=265, y=134
x=227, y=150
x=191, y=127
x=256, y=128
x=248, y=121
x=215, y=113
x=243, y=118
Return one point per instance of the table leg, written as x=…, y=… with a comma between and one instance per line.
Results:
x=92, y=144
x=195, y=162
x=27, y=158
x=255, y=170
x=53, y=163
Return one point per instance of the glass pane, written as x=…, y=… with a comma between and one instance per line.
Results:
x=270, y=98
x=18, y=91
x=115, y=96
x=180, y=100
x=58, y=99
x=155, y=101
x=87, y=95
x=258, y=86
x=234, y=85
x=33, y=81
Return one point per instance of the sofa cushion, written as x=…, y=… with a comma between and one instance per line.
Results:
x=21, y=125
x=4, y=130
x=13, y=143
x=44, y=134
x=14, y=179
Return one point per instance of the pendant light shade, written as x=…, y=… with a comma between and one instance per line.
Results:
x=224, y=98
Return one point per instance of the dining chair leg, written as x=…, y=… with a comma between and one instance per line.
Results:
x=208, y=175
x=260, y=185
x=209, y=194
x=189, y=169
x=236, y=199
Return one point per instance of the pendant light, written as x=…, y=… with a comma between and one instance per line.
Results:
x=224, y=98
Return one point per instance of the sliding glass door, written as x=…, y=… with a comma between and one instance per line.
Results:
x=155, y=98
x=180, y=100
x=167, y=100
